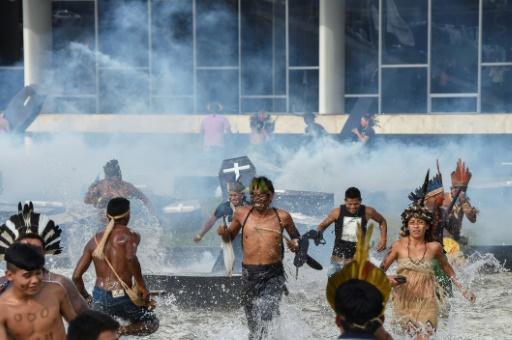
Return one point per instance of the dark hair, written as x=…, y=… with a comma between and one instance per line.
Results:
x=118, y=206
x=263, y=183
x=370, y=117
x=359, y=302
x=353, y=192
x=420, y=212
x=90, y=324
x=24, y=256
x=112, y=169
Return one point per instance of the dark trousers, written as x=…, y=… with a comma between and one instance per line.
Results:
x=262, y=289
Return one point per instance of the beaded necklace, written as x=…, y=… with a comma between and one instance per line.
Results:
x=417, y=262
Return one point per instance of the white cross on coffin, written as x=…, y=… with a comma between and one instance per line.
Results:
x=236, y=169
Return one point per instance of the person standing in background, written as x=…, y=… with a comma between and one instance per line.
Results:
x=213, y=128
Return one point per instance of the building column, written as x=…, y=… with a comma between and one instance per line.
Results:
x=37, y=39
x=332, y=57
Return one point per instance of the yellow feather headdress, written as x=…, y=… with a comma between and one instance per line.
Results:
x=360, y=268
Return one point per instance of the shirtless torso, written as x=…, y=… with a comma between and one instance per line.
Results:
x=120, y=249
x=77, y=301
x=109, y=294
x=37, y=316
x=262, y=233
x=101, y=192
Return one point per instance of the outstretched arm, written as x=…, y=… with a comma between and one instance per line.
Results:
x=447, y=268
x=373, y=214
x=81, y=267
x=390, y=257
x=333, y=215
x=92, y=195
x=470, y=211
x=207, y=226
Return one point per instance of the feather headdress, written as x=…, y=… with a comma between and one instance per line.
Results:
x=430, y=188
x=360, y=268
x=461, y=175
x=28, y=223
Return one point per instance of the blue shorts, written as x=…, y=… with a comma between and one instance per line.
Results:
x=121, y=307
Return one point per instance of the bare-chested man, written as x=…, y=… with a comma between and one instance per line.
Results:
x=102, y=191
x=114, y=253
x=263, y=280
x=346, y=218
x=28, y=227
x=31, y=308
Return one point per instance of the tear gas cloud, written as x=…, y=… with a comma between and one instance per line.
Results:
x=61, y=167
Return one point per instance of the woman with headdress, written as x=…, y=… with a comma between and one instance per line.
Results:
x=415, y=302
x=37, y=230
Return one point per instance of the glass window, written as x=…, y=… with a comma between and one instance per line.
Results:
x=71, y=105
x=404, y=31
x=176, y=105
x=263, y=47
x=217, y=32
x=496, y=31
x=303, y=28
x=496, y=89
x=73, y=39
x=124, y=91
x=453, y=104
x=454, y=46
x=303, y=91
x=217, y=86
x=11, y=82
x=362, y=44
x=11, y=44
x=250, y=105
x=172, y=62
x=361, y=105
x=404, y=90
x=123, y=32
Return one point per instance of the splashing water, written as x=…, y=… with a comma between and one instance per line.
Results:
x=304, y=312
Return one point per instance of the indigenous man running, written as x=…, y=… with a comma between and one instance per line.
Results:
x=32, y=308
x=346, y=218
x=113, y=185
x=114, y=252
x=37, y=230
x=415, y=301
x=263, y=280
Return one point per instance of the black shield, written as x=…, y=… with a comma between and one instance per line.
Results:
x=236, y=169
